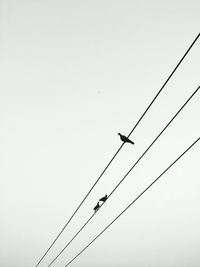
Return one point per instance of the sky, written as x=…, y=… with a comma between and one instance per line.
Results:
x=73, y=75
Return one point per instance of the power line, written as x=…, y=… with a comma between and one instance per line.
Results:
x=118, y=150
x=71, y=240
x=167, y=125
x=156, y=138
x=165, y=82
x=132, y=202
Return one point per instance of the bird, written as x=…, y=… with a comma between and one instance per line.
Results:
x=103, y=198
x=125, y=139
x=96, y=207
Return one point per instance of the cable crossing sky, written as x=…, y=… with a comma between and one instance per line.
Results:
x=167, y=125
x=119, y=149
x=147, y=188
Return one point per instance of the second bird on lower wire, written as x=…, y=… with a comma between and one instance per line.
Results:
x=103, y=199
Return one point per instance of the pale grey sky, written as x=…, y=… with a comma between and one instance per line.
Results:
x=73, y=75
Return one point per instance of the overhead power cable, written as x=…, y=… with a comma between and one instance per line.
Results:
x=148, y=187
x=127, y=173
x=118, y=150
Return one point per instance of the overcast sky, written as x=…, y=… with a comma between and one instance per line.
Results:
x=73, y=75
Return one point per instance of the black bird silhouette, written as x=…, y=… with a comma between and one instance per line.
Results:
x=103, y=198
x=96, y=207
x=125, y=139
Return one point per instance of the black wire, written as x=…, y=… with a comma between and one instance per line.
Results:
x=156, y=139
x=132, y=202
x=165, y=83
x=118, y=150
x=71, y=240
x=128, y=171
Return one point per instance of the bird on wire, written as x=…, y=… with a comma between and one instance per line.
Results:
x=125, y=139
x=96, y=207
x=103, y=198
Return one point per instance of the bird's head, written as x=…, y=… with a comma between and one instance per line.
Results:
x=119, y=134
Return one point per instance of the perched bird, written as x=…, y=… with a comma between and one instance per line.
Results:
x=96, y=207
x=125, y=139
x=103, y=198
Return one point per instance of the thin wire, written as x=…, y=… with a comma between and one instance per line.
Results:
x=156, y=139
x=117, y=151
x=128, y=172
x=72, y=239
x=132, y=202
x=165, y=83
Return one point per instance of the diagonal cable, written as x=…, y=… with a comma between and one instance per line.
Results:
x=167, y=125
x=118, y=150
x=147, y=188
x=156, y=139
